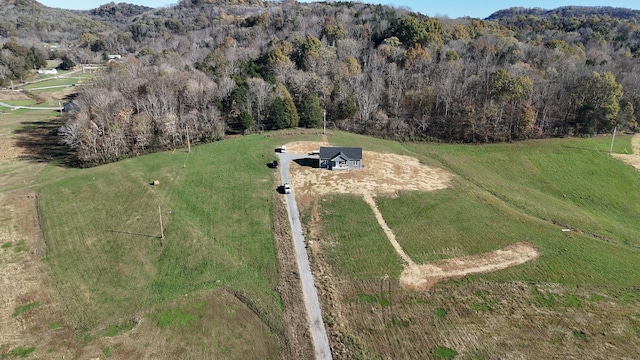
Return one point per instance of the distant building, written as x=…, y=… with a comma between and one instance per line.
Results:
x=340, y=158
x=70, y=107
x=48, y=71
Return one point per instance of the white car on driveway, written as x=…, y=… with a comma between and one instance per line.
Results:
x=287, y=188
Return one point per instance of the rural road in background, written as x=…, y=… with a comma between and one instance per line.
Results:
x=309, y=292
x=14, y=107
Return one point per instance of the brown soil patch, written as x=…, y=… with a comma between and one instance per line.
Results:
x=23, y=282
x=632, y=159
x=425, y=276
x=9, y=150
x=302, y=147
x=8, y=147
x=383, y=174
x=12, y=95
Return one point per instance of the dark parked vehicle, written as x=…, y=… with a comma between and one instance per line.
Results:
x=274, y=164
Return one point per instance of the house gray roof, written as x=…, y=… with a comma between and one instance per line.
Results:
x=350, y=152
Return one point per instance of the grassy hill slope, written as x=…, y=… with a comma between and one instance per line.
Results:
x=568, y=301
x=111, y=267
x=102, y=231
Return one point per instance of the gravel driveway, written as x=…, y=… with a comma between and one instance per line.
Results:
x=310, y=294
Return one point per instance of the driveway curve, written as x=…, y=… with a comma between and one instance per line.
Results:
x=309, y=291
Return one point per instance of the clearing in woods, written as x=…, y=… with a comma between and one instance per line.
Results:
x=388, y=174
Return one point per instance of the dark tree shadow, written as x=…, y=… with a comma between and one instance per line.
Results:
x=308, y=162
x=41, y=142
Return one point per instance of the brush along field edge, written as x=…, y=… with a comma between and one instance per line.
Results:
x=389, y=173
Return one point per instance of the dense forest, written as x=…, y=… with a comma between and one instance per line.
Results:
x=206, y=68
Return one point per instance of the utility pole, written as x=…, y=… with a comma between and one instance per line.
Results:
x=613, y=138
x=324, y=121
x=188, y=140
x=161, y=229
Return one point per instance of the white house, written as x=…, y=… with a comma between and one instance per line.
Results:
x=48, y=71
x=340, y=158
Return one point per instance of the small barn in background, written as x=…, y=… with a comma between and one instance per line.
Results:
x=340, y=158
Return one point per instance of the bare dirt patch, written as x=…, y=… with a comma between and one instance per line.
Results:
x=24, y=282
x=9, y=150
x=12, y=95
x=305, y=147
x=383, y=174
x=425, y=276
x=632, y=159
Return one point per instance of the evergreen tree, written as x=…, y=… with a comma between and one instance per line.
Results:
x=347, y=108
x=277, y=118
x=246, y=120
x=310, y=111
x=66, y=64
x=290, y=111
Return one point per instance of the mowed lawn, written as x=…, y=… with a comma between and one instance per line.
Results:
x=104, y=247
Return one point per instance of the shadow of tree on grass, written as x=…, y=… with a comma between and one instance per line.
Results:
x=41, y=142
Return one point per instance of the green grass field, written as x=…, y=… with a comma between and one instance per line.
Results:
x=502, y=194
x=109, y=264
x=570, y=182
x=58, y=82
x=102, y=231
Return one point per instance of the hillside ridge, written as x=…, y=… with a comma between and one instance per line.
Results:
x=567, y=12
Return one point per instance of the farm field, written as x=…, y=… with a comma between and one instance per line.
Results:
x=97, y=280
x=90, y=274
x=578, y=299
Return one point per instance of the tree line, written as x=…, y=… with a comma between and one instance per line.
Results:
x=212, y=68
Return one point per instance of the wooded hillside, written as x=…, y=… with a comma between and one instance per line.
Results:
x=203, y=69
